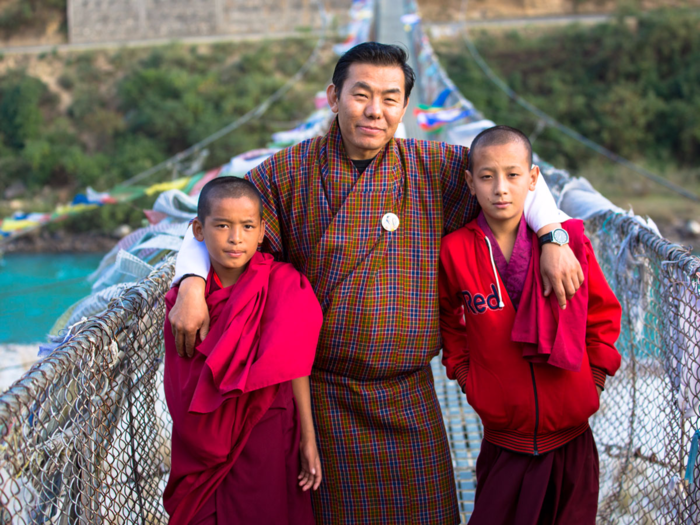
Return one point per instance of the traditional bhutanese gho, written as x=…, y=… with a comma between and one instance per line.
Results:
x=383, y=446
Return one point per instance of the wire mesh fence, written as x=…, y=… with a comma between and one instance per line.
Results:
x=649, y=412
x=85, y=434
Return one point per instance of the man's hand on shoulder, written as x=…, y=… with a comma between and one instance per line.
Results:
x=561, y=271
x=189, y=315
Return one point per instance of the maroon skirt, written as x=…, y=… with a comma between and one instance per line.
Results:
x=262, y=486
x=557, y=488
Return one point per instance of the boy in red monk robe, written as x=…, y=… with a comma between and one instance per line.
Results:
x=532, y=371
x=243, y=443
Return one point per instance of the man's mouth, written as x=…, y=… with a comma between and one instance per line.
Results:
x=501, y=205
x=370, y=130
x=234, y=255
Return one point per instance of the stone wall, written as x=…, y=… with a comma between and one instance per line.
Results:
x=116, y=20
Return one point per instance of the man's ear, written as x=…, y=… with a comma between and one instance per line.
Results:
x=470, y=181
x=332, y=96
x=534, y=175
x=198, y=229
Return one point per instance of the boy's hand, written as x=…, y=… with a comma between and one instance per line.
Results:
x=310, y=475
x=189, y=315
x=600, y=391
x=561, y=272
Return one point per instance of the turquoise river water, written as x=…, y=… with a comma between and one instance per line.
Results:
x=35, y=289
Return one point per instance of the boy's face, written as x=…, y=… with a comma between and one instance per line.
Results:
x=232, y=232
x=501, y=178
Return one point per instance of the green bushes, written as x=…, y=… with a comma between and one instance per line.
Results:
x=132, y=109
x=18, y=15
x=632, y=84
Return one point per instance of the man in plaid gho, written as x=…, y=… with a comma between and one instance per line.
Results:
x=361, y=214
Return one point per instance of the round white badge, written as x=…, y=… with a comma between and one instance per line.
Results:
x=390, y=222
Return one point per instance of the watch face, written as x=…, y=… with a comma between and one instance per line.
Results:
x=560, y=237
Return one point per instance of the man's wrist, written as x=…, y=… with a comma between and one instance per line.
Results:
x=182, y=279
x=191, y=283
x=548, y=228
x=557, y=236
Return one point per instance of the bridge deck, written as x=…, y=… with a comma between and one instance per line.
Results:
x=463, y=427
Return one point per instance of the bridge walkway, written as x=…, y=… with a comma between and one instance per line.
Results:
x=463, y=426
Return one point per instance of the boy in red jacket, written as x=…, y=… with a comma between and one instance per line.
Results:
x=532, y=371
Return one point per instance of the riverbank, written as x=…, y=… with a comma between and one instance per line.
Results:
x=60, y=241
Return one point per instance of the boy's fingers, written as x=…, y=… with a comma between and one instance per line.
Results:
x=306, y=484
x=319, y=476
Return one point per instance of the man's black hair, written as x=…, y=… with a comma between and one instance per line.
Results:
x=223, y=188
x=497, y=136
x=375, y=54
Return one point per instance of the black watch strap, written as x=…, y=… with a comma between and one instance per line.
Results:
x=547, y=237
x=190, y=275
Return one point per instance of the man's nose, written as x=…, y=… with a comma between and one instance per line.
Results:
x=373, y=108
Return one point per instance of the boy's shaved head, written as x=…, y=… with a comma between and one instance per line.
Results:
x=226, y=188
x=496, y=136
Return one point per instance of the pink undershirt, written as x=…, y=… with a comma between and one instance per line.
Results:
x=512, y=273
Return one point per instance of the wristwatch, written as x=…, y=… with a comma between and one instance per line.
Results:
x=557, y=236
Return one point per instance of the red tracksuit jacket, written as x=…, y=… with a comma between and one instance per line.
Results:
x=525, y=407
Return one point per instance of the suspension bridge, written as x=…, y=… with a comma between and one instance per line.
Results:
x=84, y=435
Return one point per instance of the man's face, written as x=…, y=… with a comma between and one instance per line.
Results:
x=370, y=108
x=501, y=178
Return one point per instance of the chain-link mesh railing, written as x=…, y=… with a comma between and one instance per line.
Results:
x=649, y=411
x=85, y=435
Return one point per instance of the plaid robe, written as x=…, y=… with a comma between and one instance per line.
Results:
x=384, y=451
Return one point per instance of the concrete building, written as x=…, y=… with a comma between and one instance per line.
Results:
x=114, y=20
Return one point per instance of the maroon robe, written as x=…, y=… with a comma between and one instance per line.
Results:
x=232, y=400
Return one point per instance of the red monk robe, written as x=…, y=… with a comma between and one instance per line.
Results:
x=232, y=404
